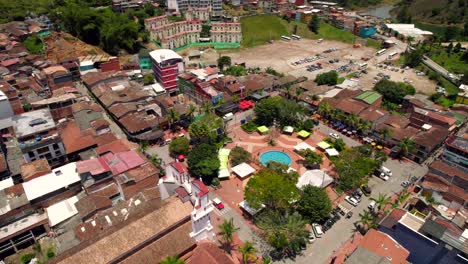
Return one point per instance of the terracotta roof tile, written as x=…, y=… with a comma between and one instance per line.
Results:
x=451, y=171
x=383, y=245
x=73, y=138
x=89, y=205
x=105, y=138
x=34, y=169
x=119, y=145
x=209, y=253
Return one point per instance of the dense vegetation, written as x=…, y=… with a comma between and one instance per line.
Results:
x=285, y=112
x=447, y=19
x=328, y=78
x=393, y=92
x=34, y=45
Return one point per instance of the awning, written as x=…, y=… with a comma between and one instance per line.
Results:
x=303, y=134
x=323, y=145
x=317, y=178
x=303, y=146
x=331, y=152
x=262, y=129
x=223, y=156
x=245, y=104
x=288, y=129
x=243, y=170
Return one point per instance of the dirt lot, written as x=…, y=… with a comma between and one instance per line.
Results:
x=62, y=45
x=280, y=56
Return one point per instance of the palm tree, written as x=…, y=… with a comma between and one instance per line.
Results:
x=299, y=91
x=227, y=231
x=381, y=201
x=364, y=126
x=172, y=117
x=172, y=260
x=324, y=109
x=144, y=145
x=266, y=260
x=247, y=251
x=191, y=111
x=207, y=108
x=385, y=133
x=367, y=220
x=406, y=146
x=352, y=120
x=288, y=91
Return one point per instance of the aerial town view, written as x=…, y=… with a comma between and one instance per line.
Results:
x=234, y=131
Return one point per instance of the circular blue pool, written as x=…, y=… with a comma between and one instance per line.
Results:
x=275, y=155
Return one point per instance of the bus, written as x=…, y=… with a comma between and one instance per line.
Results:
x=296, y=37
x=362, y=66
x=391, y=55
x=380, y=52
x=285, y=38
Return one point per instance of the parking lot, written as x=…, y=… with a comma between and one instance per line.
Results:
x=301, y=58
x=342, y=230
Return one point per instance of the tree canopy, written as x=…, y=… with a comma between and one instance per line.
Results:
x=272, y=189
x=224, y=61
x=394, y=92
x=179, y=146
x=285, y=112
x=328, y=78
x=204, y=129
x=312, y=159
x=314, y=203
x=148, y=79
x=314, y=24
x=239, y=155
x=203, y=162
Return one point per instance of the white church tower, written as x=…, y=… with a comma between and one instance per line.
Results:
x=201, y=214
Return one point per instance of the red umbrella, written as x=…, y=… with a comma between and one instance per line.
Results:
x=181, y=157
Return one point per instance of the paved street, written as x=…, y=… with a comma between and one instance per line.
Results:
x=344, y=228
x=347, y=140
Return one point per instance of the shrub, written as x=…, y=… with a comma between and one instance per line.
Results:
x=249, y=127
x=50, y=253
x=26, y=258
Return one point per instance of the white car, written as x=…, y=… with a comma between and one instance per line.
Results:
x=384, y=176
x=311, y=237
x=386, y=170
x=317, y=230
x=371, y=205
x=334, y=135
x=351, y=200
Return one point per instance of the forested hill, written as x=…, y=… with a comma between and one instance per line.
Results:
x=442, y=12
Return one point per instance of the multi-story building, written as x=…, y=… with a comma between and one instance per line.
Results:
x=167, y=65
x=215, y=6
x=172, y=35
x=38, y=136
x=226, y=32
x=456, y=151
x=200, y=13
x=122, y=5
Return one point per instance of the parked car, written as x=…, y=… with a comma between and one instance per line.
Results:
x=349, y=215
x=351, y=200
x=366, y=190
x=371, y=205
x=405, y=184
x=386, y=171
x=311, y=237
x=317, y=230
x=218, y=204
x=334, y=135
x=384, y=176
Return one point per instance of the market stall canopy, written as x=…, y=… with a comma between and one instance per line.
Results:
x=288, y=129
x=303, y=134
x=331, y=152
x=262, y=129
x=303, y=146
x=317, y=178
x=243, y=170
x=223, y=156
x=323, y=145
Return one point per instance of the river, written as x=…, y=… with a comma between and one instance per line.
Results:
x=380, y=12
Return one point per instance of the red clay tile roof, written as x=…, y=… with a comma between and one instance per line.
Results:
x=181, y=192
x=431, y=138
x=435, y=186
x=451, y=171
x=209, y=253
x=83, y=105
x=105, y=138
x=203, y=189
x=99, y=124
x=123, y=161
x=34, y=169
x=120, y=110
x=10, y=62
x=351, y=106
x=383, y=245
x=142, y=172
x=108, y=191
x=372, y=114
x=179, y=166
x=115, y=146
x=73, y=138
x=90, y=204
x=136, y=122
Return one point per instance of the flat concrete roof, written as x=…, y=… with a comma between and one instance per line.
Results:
x=33, y=122
x=163, y=55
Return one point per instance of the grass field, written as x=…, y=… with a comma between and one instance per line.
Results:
x=451, y=62
x=257, y=30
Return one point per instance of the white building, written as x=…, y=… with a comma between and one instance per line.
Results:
x=38, y=136
x=201, y=214
x=5, y=107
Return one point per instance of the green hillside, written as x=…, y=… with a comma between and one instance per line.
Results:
x=257, y=30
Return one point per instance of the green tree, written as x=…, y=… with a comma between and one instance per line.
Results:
x=464, y=78
x=203, y=162
x=191, y=111
x=248, y=251
x=314, y=203
x=406, y=146
x=227, y=230
x=270, y=188
x=339, y=144
x=172, y=117
x=352, y=166
x=314, y=24
x=239, y=155
x=172, y=260
x=328, y=78
x=394, y=92
x=205, y=129
x=179, y=146
x=236, y=70
x=224, y=61
x=457, y=47
x=450, y=48
x=34, y=44
x=205, y=33
x=367, y=220
x=385, y=133
x=144, y=145
x=312, y=159
x=207, y=108
x=158, y=162
x=381, y=201
x=451, y=33
x=414, y=58
x=148, y=79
